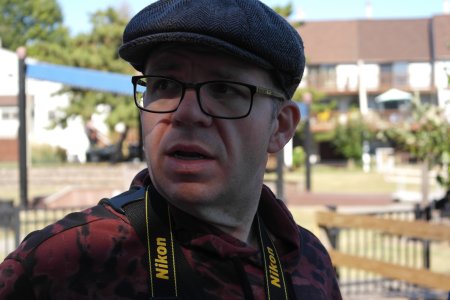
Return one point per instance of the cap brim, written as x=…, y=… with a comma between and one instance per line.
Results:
x=136, y=51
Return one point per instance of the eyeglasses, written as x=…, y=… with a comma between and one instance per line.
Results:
x=218, y=99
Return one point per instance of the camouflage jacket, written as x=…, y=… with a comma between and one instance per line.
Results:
x=96, y=254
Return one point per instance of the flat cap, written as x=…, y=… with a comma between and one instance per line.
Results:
x=246, y=29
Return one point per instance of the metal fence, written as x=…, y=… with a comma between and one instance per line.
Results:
x=16, y=223
x=414, y=253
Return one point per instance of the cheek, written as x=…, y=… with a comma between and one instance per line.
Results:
x=255, y=138
x=151, y=134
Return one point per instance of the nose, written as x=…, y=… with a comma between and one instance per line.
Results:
x=189, y=111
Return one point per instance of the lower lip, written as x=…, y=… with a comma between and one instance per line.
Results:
x=189, y=166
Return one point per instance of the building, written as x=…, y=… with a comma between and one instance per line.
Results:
x=43, y=104
x=354, y=61
x=377, y=66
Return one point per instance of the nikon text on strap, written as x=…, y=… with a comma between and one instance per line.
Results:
x=132, y=204
x=161, y=254
x=273, y=273
x=166, y=261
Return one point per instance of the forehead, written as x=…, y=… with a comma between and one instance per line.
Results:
x=173, y=57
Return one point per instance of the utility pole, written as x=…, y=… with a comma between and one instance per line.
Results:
x=21, y=54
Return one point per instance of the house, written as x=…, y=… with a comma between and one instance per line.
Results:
x=43, y=104
x=376, y=66
x=354, y=61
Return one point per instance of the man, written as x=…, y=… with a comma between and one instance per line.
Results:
x=198, y=223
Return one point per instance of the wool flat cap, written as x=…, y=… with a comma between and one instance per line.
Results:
x=246, y=29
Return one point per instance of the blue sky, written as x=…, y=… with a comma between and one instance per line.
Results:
x=76, y=13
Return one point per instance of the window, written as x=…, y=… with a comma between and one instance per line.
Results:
x=9, y=113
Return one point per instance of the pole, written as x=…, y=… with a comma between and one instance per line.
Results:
x=21, y=54
x=280, y=178
x=307, y=97
x=362, y=90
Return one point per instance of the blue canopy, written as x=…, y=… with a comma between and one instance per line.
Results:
x=93, y=79
x=82, y=78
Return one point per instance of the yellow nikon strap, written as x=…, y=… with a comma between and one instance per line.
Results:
x=273, y=272
x=161, y=253
x=164, y=255
x=145, y=221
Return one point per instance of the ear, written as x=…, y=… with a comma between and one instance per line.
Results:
x=284, y=126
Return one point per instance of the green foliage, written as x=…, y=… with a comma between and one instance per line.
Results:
x=31, y=23
x=38, y=24
x=46, y=154
x=316, y=95
x=318, y=103
x=349, y=137
x=325, y=136
x=98, y=50
x=425, y=136
x=284, y=11
x=298, y=157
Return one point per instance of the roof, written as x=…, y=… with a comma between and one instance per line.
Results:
x=441, y=37
x=8, y=101
x=381, y=41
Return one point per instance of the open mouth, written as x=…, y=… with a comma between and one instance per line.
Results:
x=188, y=155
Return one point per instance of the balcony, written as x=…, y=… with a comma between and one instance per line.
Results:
x=327, y=121
x=330, y=83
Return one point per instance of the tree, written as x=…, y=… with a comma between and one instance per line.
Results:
x=27, y=23
x=426, y=137
x=284, y=11
x=349, y=137
x=38, y=24
x=98, y=50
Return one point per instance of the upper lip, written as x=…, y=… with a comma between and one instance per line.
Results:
x=189, y=148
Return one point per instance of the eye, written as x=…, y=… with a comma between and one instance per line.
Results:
x=162, y=84
x=220, y=88
x=226, y=89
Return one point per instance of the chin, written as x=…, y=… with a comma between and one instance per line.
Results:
x=187, y=194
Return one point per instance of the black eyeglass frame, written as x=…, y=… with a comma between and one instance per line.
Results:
x=196, y=86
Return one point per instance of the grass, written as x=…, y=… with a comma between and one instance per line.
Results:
x=326, y=179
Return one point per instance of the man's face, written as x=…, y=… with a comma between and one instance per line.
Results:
x=197, y=159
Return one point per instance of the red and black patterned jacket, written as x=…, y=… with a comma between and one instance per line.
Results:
x=96, y=254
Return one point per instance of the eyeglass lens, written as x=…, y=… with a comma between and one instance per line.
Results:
x=217, y=98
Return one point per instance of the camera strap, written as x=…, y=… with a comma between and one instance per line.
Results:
x=170, y=276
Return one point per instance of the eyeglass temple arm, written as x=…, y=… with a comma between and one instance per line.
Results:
x=269, y=92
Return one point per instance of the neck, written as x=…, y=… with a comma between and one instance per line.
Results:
x=242, y=232
x=236, y=220
x=237, y=225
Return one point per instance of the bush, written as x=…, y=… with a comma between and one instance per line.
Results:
x=349, y=137
x=298, y=157
x=46, y=154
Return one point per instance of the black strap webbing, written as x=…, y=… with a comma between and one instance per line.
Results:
x=189, y=287
x=166, y=261
x=274, y=275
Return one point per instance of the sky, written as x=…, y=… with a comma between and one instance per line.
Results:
x=76, y=13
